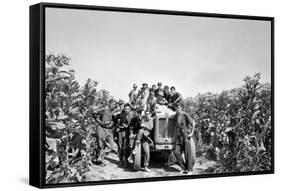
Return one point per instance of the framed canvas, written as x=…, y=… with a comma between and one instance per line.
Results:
x=122, y=95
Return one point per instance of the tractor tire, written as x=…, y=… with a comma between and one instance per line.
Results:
x=137, y=158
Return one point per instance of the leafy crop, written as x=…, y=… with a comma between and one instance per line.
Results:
x=71, y=141
x=234, y=127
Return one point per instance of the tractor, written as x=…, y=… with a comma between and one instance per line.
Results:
x=162, y=135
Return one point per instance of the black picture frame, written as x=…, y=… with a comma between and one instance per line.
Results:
x=37, y=96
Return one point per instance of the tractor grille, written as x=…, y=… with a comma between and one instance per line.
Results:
x=166, y=128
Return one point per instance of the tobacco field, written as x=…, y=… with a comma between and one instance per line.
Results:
x=233, y=128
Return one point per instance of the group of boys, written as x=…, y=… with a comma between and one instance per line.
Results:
x=128, y=128
x=147, y=99
x=133, y=124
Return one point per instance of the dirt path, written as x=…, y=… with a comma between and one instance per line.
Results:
x=111, y=171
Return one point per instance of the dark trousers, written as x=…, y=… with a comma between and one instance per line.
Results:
x=186, y=146
x=123, y=143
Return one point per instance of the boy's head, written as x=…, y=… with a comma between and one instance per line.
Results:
x=173, y=89
x=127, y=108
x=178, y=108
x=135, y=86
x=159, y=84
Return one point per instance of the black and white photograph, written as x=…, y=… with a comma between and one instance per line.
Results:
x=131, y=95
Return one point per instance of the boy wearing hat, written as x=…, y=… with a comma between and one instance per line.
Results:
x=144, y=91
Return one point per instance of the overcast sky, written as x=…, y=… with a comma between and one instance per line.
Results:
x=194, y=54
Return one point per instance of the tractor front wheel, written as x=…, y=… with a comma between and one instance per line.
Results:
x=137, y=157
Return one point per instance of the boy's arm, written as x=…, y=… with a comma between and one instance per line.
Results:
x=190, y=122
x=178, y=99
x=192, y=129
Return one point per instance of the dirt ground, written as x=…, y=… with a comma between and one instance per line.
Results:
x=112, y=172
